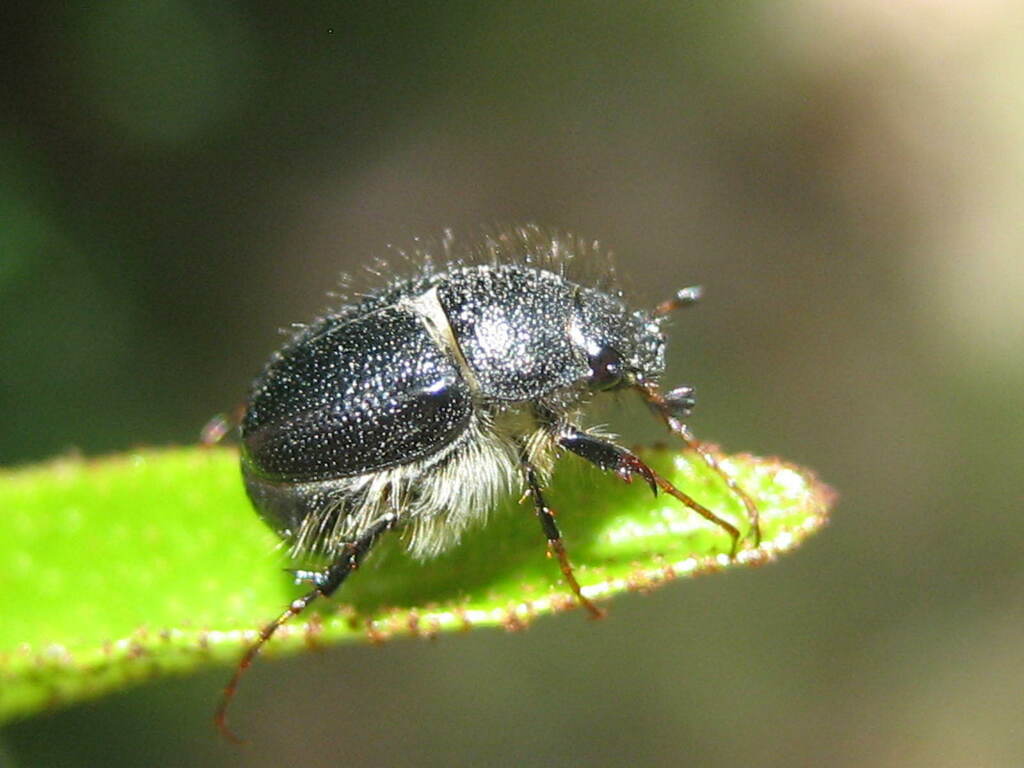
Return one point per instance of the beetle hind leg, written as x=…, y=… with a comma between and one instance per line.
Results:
x=325, y=583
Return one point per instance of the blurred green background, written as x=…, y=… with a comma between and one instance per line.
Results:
x=179, y=180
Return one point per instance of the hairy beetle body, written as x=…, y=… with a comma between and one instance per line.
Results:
x=424, y=403
x=421, y=400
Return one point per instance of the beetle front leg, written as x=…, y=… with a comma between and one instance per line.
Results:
x=610, y=457
x=675, y=406
x=607, y=456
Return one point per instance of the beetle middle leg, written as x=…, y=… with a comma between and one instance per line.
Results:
x=325, y=583
x=555, y=544
x=610, y=457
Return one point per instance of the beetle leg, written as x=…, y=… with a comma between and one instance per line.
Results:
x=608, y=456
x=325, y=582
x=546, y=517
x=316, y=578
x=668, y=408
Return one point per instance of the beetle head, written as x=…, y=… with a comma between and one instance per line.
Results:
x=622, y=348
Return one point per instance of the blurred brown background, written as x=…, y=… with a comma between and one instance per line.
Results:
x=178, y=180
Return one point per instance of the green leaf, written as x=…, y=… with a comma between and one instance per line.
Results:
x=152, y=563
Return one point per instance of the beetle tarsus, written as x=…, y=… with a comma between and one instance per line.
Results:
x=703, y=511
x=664, y=407
x=326, y=583
x=753, y=515
x=546, y=517
x=558, y=547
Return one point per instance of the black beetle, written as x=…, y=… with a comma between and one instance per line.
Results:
x=421, y=405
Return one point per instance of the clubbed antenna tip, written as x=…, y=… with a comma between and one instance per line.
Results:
x=684, y=297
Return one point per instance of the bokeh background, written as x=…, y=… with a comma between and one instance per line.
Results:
x=179, y=180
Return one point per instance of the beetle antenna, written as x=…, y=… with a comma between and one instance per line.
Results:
x=684, y=298
x=220, y=715
x=668, y=409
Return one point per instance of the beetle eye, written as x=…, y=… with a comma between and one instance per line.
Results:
x=606, y=369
